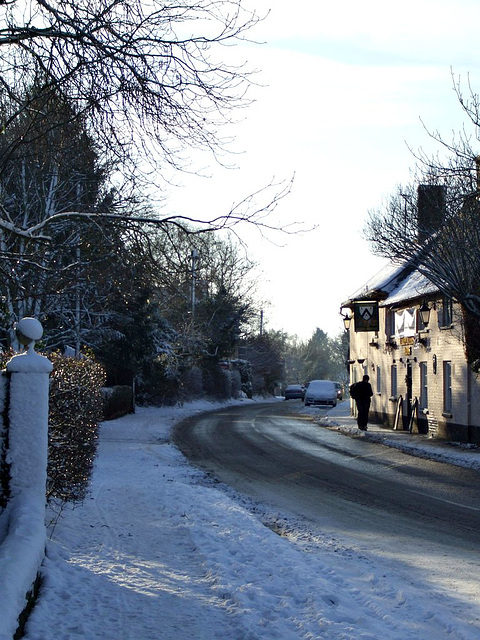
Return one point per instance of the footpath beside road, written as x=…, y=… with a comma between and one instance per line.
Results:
x=417, y=444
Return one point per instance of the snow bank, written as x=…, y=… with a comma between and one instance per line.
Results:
x=21, y=555
x=23, y=521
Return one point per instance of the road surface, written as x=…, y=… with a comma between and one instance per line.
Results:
x=421, y=514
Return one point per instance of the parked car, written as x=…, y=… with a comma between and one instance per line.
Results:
x=321, y=392
x=294, y=391
x=339, y=388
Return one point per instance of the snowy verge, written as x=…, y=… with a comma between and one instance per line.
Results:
x=21, y=555
x=162, y=550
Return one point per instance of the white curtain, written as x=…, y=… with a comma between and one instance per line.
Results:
x=405, y=323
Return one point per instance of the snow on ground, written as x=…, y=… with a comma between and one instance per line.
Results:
x=159, y=551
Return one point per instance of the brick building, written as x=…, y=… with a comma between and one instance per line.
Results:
x=418, y=369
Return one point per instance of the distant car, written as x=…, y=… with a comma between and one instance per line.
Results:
x=294, y=391
x=321, y=393
x=339, y=388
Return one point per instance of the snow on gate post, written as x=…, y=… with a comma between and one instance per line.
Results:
x=22, y=550
x=28, y=414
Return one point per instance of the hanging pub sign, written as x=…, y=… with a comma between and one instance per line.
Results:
x=366, y=316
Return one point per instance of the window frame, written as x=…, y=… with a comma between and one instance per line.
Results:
x=389, y=324
x=423, y=400
x=379, y=379
x=446, y=316
x=447, y=388
x=394, y=381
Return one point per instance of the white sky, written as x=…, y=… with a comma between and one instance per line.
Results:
x=345, y=88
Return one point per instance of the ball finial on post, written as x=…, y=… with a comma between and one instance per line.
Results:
x=29, y=331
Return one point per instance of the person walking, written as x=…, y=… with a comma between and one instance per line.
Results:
x=362, y=393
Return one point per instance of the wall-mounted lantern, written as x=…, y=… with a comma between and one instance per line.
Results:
x=425, y=313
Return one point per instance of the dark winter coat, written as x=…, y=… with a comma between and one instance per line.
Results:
x=362, y=395
x=363, y=391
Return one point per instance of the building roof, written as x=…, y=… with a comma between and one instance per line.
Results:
x=415, y=285
x=393, y=284
x=380, y=285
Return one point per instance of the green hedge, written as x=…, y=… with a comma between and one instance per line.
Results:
x=76, y=409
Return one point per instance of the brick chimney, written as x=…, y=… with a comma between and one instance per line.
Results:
x=431, y=204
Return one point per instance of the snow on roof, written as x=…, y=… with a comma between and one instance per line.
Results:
x=381, y=284
x=393, y=284
x=413, y=286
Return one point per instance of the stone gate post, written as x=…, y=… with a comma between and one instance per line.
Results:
x=23, y=548
x=28, y=414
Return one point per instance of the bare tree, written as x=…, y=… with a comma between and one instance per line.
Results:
x=142, y=72
x=447, y=253
x=62, y=279
x=139, y=80
x=149, y=80
x=205, y=285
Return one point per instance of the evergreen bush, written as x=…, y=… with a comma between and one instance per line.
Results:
x=236, y=384
x=117, y=401
x=216, y=381
x=4, y=466
x=76, y=408
x=158, y=384
x=192, y=383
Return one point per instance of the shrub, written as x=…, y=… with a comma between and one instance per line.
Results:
x=117, y=401
x=245, y=370
x=158, y=384
x=216, y=381
x=236, y=384
x=75, y=411
x=4, y=466
x=191, y=383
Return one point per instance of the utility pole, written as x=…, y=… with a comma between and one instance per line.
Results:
x=194, y=256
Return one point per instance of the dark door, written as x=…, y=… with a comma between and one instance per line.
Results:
x=407, y=413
